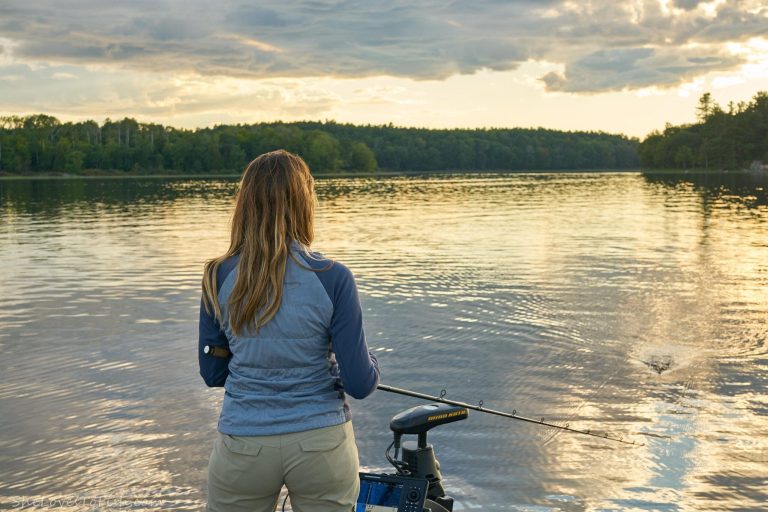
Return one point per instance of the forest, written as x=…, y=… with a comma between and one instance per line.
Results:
x=41, y=144
x=731, y=138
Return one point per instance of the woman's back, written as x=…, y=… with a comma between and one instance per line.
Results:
x=285, y=377
x=293, y=325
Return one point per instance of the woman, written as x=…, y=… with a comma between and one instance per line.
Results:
x=292, y=322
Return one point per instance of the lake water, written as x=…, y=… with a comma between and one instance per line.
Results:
x=556, y=295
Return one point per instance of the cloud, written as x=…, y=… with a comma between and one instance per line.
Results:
x=687, y=4
x=603, y=45
x=607, y=70
x=74, y=92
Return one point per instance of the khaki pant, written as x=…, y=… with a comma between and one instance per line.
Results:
x=319, y=467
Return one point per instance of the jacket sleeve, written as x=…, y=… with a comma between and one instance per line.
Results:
x=213, y=370
x=358, y=368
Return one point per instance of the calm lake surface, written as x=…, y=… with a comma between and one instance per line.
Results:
x=556, y=295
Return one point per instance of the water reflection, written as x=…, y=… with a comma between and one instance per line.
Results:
x=749, y=189
x=548, y=294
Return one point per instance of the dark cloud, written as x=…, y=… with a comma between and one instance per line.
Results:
x=252, y=16
x=687, y=4
x=642, y=67
x=603, y=45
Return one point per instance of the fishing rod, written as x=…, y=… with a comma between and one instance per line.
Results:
x=513, y=415
x=224, y=353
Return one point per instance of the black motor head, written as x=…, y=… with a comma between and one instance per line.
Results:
x=418, y=420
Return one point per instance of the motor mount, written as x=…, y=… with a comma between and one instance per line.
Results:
x=419, y=457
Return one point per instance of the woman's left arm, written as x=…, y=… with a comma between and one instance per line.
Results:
x=213, y=370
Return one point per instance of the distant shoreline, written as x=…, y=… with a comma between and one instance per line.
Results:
x=377, y=174
x=42, y=143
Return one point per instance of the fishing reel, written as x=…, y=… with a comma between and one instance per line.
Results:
x=418, y=457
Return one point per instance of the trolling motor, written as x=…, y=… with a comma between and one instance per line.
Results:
x=418, y=459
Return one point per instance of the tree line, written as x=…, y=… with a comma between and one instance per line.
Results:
x=722, y=139
x=43, y=144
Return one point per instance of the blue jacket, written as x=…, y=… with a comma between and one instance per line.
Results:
x=294, y=373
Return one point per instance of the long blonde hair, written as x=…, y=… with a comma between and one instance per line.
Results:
x=275, y=206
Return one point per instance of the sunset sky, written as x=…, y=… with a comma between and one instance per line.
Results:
x=609, y=65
